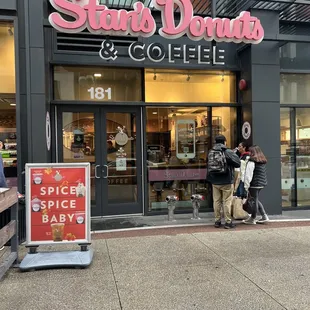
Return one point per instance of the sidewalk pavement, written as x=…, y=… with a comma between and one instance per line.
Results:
x=247, y=268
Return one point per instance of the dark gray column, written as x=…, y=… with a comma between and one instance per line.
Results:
x=261, y=104
x=8, y=5
x=32, y=77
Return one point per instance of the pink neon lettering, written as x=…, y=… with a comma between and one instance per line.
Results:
x=140, y=22
x=99, y=19
x=167, y=7
x=244, y=28
x=71, y=9
x=93, y=8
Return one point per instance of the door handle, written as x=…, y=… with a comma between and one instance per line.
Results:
x=107, y=171
x=96, y=175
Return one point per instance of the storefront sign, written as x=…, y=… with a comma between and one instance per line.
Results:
x=121, y=164
x=156, y=52
x=100, y=93
x=246, y=130
x=177, y=174
x=58, y=203
x=99, y=19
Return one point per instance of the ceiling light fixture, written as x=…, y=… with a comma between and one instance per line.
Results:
x=13, y=104
x=97, y=75
x=155, y=113
x=222, y=79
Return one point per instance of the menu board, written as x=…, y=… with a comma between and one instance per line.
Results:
x=58, y=203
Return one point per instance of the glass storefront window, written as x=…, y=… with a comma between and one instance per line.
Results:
x=97, y=84
x=287, y=159
x=178, y=141
x=295, y=157
x=8, y=150
x=189, y=86
x=79, y=142
x=303, y=156
x=295, y=89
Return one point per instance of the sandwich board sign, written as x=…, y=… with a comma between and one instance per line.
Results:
x=57, y=213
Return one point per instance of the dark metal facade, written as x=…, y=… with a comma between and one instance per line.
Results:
x=40, y=47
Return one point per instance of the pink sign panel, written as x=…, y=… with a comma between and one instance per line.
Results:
x=177, y=174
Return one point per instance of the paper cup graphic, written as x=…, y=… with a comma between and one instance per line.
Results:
x=36, y=205
x=37, y=178
x=80, y=218
x=58, y=231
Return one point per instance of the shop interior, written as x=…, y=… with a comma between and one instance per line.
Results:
x=295, y=157
x=8, y=145
x=178, y=142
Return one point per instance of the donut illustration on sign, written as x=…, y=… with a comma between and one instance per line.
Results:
x=58, y=177
x=246, y=130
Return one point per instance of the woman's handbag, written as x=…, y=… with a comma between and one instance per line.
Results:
x=241, y=192
x=237, y=209
x=249, y=204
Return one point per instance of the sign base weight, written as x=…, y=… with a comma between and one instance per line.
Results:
x=46, y=260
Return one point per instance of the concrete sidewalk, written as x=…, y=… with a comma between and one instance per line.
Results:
x=240, y=269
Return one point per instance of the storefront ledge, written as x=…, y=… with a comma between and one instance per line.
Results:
x=95, y=232
x=150, y=228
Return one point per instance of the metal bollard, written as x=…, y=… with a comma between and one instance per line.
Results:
x=196, y=199
x=171, y=202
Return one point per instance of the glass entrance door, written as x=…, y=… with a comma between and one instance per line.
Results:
x=109, y=138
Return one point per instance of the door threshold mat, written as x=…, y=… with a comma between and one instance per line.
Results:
x=110, y=224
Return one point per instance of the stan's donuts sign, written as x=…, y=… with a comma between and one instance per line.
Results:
x=99, y=19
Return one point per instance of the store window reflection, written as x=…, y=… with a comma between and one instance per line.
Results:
x=178, y=141
x=8, y=147
x=189, y=86
x=295, y=88
x=79, y=142
x=287, y=159
x=303, y=156
x=97, y=84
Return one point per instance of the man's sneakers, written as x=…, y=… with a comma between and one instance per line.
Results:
x=229, y=225
x=217, y=224
x=264, y=219
x=249, y=221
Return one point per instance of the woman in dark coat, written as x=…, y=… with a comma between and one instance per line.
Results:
x=255, y=181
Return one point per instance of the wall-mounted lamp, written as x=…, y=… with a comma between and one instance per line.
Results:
x=242, y=85
x=155, y=77
x=10, y=32
x=188, y=78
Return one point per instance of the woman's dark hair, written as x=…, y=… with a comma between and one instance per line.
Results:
x=245, y=145
x=257, y=154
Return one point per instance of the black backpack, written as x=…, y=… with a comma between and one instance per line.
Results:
x=217, y=163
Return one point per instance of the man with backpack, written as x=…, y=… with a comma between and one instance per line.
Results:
x=221, y=174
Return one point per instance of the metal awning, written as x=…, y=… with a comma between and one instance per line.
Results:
x=289, y=10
